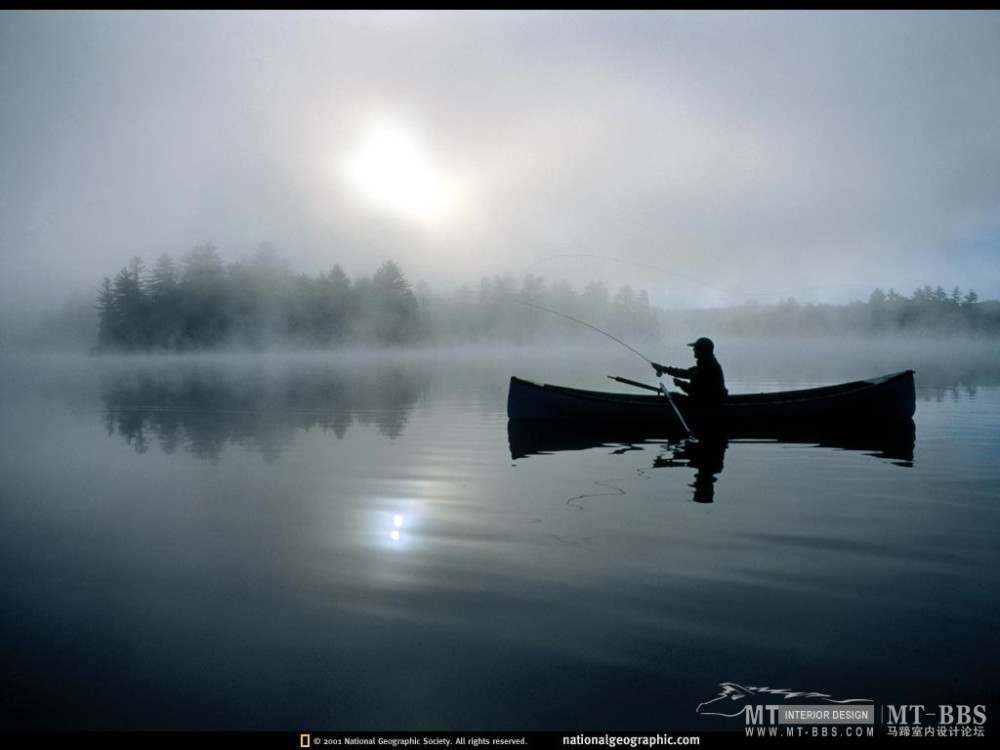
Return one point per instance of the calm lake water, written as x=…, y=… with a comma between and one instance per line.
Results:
x=334, y=542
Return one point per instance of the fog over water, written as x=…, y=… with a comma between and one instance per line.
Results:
x=707, y=157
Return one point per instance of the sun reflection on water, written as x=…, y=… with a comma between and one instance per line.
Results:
x=393, y=527
x=397, y=523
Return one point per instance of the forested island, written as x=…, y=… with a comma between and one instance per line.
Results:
x=199, y=303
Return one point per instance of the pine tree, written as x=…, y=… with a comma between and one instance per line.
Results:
x=393, y=305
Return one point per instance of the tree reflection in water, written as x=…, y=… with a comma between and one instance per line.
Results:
x=202, y=409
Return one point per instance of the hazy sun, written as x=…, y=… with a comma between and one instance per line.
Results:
x=392, y=169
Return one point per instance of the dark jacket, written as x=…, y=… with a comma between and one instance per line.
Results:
x=707, y=384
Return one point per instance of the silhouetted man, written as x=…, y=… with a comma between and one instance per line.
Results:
x=704, y=383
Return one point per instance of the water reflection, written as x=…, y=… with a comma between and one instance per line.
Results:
x=204, y=409
x=953, y=392
x=706, y=455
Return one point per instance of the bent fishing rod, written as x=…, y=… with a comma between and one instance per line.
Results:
x=660, y=369
x=593, y=328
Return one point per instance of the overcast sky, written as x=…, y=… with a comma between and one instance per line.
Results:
x=708, y=158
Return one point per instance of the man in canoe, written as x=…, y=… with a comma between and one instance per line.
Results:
x=704, y=383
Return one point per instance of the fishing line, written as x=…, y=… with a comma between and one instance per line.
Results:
x=656, y=367
x=588, y=325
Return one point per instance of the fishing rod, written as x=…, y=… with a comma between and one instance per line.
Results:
x=659, y=368
x=593, y=328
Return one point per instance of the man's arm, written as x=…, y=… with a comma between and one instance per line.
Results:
x=677, y=372
x=681, y=372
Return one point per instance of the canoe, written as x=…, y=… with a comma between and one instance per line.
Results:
x=862, y=402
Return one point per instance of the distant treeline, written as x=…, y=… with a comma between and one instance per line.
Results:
x=503, y=309
x=200, y=303
x=929, y=310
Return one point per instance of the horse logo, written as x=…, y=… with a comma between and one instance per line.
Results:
x=734, y=700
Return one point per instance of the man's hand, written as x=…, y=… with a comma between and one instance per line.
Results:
x=660, y=369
